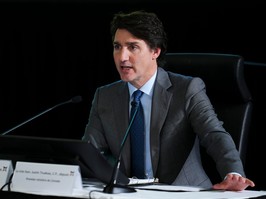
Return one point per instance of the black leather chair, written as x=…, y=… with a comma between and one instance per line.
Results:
x=225, y=85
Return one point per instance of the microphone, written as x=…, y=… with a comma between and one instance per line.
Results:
x=112, y=186
x=75, y=99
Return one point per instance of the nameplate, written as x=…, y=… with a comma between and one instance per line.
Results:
x=6, y=170
x=55, y=179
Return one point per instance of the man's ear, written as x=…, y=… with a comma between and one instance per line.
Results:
x=156, y=53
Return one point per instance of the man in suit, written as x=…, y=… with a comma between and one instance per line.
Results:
x=178, y=114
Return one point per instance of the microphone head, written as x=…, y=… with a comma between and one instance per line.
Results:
x=76, y=99
x=133, y=103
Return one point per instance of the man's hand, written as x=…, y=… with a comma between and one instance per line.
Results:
x=234, y=182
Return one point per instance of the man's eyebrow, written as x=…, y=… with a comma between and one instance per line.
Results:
x=127, y=43
x=132, y=43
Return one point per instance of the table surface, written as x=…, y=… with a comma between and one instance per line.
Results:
x=97, y=193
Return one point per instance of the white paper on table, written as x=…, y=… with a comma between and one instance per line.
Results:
x=174, y=188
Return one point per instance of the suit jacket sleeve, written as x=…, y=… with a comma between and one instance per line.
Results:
x=217, y=142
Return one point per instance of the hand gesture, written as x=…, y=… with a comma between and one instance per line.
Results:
x=234, y=182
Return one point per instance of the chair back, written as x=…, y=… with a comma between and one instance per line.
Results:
x=226, y=87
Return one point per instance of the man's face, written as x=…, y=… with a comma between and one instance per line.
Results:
x=135, y=61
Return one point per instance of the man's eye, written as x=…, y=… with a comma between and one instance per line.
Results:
x=116, y=47
x=132, y=47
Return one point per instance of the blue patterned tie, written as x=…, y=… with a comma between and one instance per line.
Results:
x=137, y=137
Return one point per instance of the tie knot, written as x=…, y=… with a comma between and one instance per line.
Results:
x=137, y=95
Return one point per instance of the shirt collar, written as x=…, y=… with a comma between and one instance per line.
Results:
x=147, y=88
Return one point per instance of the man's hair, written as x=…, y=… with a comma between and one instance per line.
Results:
x=143, y=25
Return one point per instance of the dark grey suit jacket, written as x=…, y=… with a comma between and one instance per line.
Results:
x=181, y=117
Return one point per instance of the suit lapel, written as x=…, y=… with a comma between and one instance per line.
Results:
x=160, y=105
x=121, y=121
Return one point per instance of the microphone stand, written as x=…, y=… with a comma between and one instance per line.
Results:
x=76, y=99
x=112, y=186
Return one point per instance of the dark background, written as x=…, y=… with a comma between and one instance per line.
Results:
x=51, y=51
